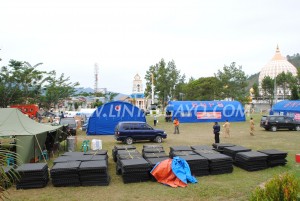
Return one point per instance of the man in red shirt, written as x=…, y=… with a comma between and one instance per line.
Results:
x=176, y=126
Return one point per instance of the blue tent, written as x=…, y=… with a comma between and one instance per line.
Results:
x=287, y=107
x=206, y=111
x=105, y=118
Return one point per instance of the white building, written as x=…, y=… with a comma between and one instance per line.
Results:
x=137, y=97
x=277, y=65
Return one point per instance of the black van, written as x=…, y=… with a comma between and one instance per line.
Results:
x=130, y=131
x=275, y=122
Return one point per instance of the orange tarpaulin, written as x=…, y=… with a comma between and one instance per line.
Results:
x=163, y=174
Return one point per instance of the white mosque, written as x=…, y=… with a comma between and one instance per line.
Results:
x=277, y=65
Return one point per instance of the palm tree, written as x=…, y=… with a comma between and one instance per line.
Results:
x=6, y=175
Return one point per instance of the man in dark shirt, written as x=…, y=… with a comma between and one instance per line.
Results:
x=216, y=128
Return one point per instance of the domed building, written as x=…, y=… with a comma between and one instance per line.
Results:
x=277, y=65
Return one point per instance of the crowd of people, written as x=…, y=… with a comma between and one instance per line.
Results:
x=216, y=128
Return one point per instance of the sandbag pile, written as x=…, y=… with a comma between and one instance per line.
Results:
x=32, y=175
x=79, y=168
x=80, y=156
x=68, y=157
x=120, y=147
x=232, y=151
x=94, y=173
x=180, y=151
x=154, y=151
x=275, y=157
x=154, y=154
x=198, y=164
x=135, y=170
x=126, y=155
x=218, y=163
x=202, y=147
x=220, y=146
x=251, y=160
x=65, y=174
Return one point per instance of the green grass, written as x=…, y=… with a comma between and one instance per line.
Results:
x=235, y=186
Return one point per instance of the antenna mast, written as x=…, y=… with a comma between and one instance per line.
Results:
x=96, y=71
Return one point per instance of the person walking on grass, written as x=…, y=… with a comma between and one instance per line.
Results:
x=176, y=126
x=155, y=120
x=227, y=128
x=251, y=127
x=217, y=129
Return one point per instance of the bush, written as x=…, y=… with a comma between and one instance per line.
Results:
x=283, y=187
x=153, y=112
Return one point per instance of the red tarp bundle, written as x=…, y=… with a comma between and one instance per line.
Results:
x=163, y=174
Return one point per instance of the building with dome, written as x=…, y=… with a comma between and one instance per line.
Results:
x=277, y=65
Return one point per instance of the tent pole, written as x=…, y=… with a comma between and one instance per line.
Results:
x=40, y=148
x=34, y=151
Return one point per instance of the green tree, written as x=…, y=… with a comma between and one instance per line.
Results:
x=179, y=89
x=10, y=87
x=286, y=81
x=256, y=90
x=294, y=93
x=111, y=95
x=97, y=104
x=234, y=82
x=56, y=90
x=20, y=83
x=205, y=88
x=294, y=59
x=31, y=81
x=165, y=78
x=267, y=86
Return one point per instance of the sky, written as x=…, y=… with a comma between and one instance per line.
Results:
x=126, y=37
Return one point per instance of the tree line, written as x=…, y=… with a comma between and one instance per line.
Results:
x=229, y=83
x=22, y=83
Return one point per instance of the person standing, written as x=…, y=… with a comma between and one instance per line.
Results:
x=227, y=128
x=176, y=126
x=251, y=126
x=216, y=129
x=155, y=120
x=62, y=115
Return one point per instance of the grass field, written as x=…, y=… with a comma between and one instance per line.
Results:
x=235, y=186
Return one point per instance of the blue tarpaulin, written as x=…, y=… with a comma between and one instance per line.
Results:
x=287, y=107
x=206, y=111
x=105, y=118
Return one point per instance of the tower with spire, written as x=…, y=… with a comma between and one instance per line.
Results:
x=137, y=97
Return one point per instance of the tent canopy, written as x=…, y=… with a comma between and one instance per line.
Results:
x=27, y=132
x=105, y=118
x=206, y=111
x=287, y=107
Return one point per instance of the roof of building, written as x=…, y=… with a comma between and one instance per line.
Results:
x=277, y=65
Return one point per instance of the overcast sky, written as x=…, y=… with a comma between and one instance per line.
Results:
x=125, y=37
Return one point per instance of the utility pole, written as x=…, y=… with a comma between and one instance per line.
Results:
x=152, y=87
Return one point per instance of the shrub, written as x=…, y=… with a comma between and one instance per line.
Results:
x=153, y=112
x=283, y=187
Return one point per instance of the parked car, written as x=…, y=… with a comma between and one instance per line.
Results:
x=276, y=122
x=70, y=123
x=131, y=131
x=263, y=120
